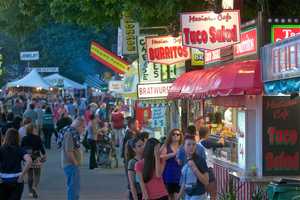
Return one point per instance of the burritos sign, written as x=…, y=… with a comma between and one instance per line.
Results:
x=166, y=50
x=208, y=30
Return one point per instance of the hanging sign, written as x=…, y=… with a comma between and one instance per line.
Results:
x=283, y=31
x=130, y=31
x=281, y=139
x=108, y=58
x=166, y=50
x=29, y=55
x=197, y=57
x=208, y=30
x=248, y=44
x=148, y=72
x=116, y=86
x=153, y=90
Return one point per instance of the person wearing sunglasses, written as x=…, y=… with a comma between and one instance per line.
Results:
x=172, y=170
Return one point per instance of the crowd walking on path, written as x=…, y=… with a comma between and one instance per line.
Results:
x=177, y=168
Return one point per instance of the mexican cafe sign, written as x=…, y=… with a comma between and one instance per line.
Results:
x=166, y=50
x=208, y=30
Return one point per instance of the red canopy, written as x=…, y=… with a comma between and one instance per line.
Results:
x=240, y=78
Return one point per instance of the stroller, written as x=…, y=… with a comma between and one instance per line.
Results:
x=105, y=151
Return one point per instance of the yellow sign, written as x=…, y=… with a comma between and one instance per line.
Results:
x=130, y=30
x=108, y=58
x=197, y=57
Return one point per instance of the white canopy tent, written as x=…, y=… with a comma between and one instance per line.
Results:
x=56, y=79
x=32, y=80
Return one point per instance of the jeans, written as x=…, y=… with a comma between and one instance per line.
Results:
x=34, y=175
x=11, y=191
x=93, y=163
x=198, y=197
x=73, y=182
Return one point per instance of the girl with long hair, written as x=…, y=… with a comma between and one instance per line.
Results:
x=172, y=170
x=194, y=178
x=11, y=172
x=149, y=171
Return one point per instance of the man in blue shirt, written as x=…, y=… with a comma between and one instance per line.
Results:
x=200, y=151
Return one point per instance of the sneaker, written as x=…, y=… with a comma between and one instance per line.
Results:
x=30, y=194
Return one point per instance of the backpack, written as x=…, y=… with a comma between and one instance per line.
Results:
x=60, y=136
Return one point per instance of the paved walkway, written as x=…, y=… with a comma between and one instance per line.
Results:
x=98, y=184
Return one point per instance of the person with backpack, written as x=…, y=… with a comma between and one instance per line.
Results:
x=32, y=143
x=194, y=178
x=11, y=172
x=69, y=142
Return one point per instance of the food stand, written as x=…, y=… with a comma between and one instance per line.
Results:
x=228, y=94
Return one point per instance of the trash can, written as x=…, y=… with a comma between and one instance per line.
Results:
x=285, y=189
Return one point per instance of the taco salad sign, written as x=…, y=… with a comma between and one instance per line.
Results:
x=208, y=30
x=166, y=50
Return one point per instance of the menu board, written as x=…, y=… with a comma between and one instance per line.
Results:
x=281, y=142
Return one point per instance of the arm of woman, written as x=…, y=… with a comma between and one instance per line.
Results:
x=28, y=162
x=143, y=186
x=164, y=155
x=159, y=167
x=132, y=184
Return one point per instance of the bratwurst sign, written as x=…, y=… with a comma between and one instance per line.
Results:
x=208, y=30
x=166, y=50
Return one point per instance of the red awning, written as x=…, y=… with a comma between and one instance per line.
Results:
x=240, y=78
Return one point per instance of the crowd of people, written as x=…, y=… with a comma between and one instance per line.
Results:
x=177, y=168
x=27, y=127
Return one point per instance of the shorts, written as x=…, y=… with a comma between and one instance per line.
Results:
x=173, y=188
x=211, y=175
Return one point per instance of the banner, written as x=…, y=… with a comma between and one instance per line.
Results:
x=148, y=72
x=208, y=30
x=108, y=58
x=166, y=50
x=130, y=32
